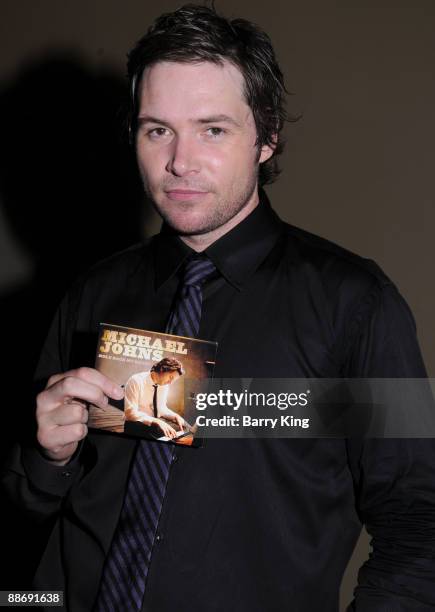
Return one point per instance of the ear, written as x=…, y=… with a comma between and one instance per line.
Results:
x=267, y=150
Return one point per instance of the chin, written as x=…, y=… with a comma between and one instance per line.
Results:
x=185, y=223
x=187, y=229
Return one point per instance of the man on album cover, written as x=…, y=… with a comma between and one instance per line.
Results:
x=243, y=525
x=146, y=395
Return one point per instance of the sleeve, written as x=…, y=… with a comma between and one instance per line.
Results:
x=30, y=481
x=36, y=485
x=131, y=400
x=163, y=406
x=394, y=479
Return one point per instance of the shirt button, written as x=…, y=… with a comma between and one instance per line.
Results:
x=159, y=538
x=66, y=474
x=174, y=458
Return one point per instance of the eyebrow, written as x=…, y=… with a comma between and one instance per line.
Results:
x=221, y=118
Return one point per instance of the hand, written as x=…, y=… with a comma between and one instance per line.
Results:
x=167, y=429
x=174, y=417
x=61, y=411
x=180, y=421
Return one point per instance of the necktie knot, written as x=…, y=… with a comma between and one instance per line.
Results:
x=197, y=270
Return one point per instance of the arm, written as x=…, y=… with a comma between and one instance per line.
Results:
x=133, y=413
x=38, y=475
x=170, y=415
x=131, y=404
x=394, y=479
x=36, y=484
x=29, y=480
x=167, y=413
x=395, y=498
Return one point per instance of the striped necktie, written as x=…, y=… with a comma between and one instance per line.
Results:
x=125, y=571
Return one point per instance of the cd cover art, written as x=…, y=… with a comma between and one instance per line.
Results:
x=152, y=368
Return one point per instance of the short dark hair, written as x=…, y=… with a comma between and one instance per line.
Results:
x=168, y=364
x=195, y=33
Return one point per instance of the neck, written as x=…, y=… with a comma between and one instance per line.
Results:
x=199, y=242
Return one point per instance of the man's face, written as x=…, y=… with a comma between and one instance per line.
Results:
x=196, y=144
x=166, y=378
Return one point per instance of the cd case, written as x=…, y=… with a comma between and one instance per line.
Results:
x=152, y=367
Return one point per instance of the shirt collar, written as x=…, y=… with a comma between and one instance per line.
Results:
x=237, y=254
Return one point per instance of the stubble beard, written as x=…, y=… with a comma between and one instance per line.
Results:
x=224, y=209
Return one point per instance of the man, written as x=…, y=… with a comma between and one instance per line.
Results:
x=245, y=525
x=144, y=404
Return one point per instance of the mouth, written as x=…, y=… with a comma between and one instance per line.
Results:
x=184, y=194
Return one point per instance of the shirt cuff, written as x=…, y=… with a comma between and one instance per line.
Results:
x=46, y=475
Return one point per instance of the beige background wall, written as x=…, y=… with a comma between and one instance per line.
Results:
x=358, y=168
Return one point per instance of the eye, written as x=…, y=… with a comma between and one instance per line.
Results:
x=157, y=133
x=215, y=132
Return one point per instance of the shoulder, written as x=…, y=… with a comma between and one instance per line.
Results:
x=114, y=270
x=123, y=262
x=349, y=290
x=139, y=377
x=337, y=269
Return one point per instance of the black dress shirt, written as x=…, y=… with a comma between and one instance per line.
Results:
x=252, y=525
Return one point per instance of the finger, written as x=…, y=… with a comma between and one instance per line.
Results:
x=67, y=389
x=55, y=378
x=165, y=430
x=55, y=438
x=66, y=414
x=93, y=377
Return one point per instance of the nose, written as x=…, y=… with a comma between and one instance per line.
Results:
x=184, y=158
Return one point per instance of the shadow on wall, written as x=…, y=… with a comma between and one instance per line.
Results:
x=72, y=196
